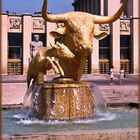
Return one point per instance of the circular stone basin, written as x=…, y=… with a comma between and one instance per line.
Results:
x=14, y=122
x=58, y=101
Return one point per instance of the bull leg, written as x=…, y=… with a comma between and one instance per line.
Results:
x=59, y=67
x=40, y=78
x=52, y=65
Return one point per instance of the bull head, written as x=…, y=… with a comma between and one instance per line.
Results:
x=78, y=34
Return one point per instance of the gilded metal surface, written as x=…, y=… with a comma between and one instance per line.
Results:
x=70, y=100
x=63, y=80
x=43, y=62
x=77, y=34
x=64, y=102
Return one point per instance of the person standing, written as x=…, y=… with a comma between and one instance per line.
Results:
x=35, y=46
x=111, y=74
x=122, y=75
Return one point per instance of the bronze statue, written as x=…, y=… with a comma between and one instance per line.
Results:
x=35, y=46
x=79, y=32
x=43, y=62
x=71, y=100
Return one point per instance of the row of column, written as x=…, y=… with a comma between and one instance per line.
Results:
x=115, y=47
x=115, y=38
x=4, y=42
x=27, y=33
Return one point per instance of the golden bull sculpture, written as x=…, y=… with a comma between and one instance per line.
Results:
x=78, y=34
x=70, y=100
x=43, y=61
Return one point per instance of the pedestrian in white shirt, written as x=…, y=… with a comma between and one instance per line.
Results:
x=111, y=74
x=122, y=75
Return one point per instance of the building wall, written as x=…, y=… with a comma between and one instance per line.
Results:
x=26, y=25
x=127, y=25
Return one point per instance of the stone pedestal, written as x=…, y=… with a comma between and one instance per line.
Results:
x=71, y=101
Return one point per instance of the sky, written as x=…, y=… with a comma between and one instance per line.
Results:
x=30, y=6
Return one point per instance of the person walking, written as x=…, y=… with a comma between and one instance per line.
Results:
x=122, y=76
x=111, y=72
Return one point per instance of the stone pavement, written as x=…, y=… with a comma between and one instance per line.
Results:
x=14, y=88
x=106, y=134
x=100, y=79
x=116, y=94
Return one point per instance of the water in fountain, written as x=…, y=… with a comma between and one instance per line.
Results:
x=98, y=99
x=113, y=119
x=33, y=92
x=103, y=118
x=28, y=101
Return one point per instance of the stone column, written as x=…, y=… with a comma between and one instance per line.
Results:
x=95, y=55
x=115, y=35
x=27, y=32
x=136, y=45
x=4, y=43
x=135, y=36
x=112, y=6
x=102, y=7
x=50, y=27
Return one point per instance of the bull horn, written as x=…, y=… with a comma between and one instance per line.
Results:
x=52, y=17
x=109, y=19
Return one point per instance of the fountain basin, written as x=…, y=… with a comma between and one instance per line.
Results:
x=58, y=101
x=124, y=118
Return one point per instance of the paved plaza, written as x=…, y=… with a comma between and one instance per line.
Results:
x=113, y=95
x=14, y=89
x=100, y=79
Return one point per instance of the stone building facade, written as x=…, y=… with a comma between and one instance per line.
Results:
x=16, y=34
x=120, y=48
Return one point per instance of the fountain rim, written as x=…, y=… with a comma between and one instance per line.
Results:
x=75, y=84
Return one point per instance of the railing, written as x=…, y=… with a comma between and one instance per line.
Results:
x=86, y=69
x=125, y=64
x=103, y=66
x=14, y=67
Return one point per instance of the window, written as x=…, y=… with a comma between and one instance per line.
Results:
x=125, y=53
x=104, y=48
x=15, y=39
x=124, y=40
x=15, y=43
x=15, y=47
x=104, y=55
x=125, y=47
x=15, y=52
x=97, y=7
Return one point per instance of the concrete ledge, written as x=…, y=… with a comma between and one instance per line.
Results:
x=124, y=95
x=13, y=93
x=115, y=134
